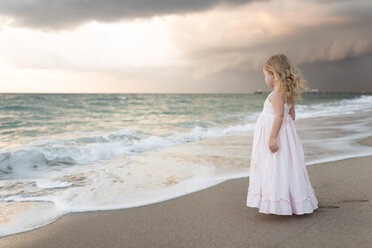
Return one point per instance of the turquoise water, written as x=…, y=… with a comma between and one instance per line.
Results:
x=32, y=117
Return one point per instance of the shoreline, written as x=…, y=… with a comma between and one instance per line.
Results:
x=217, y=217
x=227, y=163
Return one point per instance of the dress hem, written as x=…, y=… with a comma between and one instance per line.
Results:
x=283, y=206
x=281, y=199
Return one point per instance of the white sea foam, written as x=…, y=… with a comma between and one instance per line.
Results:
x=48, y=184
x=344, y=106
x=42, y=156
x=111, y=185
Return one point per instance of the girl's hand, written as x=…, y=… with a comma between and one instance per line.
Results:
x=273, y=145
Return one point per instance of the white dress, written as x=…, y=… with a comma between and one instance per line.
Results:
x=279, y=182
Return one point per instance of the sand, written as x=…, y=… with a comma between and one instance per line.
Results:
x=218, y=217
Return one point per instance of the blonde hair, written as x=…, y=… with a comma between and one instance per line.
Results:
x=288, y=78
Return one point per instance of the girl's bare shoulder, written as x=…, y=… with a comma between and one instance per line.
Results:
x=275, y=96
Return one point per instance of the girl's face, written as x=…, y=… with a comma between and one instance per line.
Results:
x=269, y=78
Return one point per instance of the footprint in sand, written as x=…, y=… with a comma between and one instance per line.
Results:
x=349, y=200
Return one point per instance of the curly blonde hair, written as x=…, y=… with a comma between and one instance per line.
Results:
x=288, y=78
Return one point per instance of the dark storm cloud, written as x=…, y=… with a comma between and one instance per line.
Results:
x=326, y=41
x=63, y=14
x=305, y=45
x=347, y=75
x=334, y=55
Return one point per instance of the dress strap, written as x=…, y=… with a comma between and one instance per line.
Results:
x=288, y=117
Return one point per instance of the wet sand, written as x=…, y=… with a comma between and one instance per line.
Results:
x=218, y=217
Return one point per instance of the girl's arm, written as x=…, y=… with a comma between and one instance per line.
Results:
x=292, y=112
x=278, y=105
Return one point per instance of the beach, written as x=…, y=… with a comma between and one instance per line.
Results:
x=218, y=217
x=141, y=124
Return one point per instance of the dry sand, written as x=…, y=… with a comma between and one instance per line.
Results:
x=218, y=217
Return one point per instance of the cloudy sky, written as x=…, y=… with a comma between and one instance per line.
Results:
x=174, y=46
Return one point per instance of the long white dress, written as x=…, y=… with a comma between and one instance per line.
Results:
x=279, y=182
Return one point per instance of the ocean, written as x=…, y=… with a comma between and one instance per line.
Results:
x=64, y=153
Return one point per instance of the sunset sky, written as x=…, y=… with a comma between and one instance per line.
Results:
x=173, y=46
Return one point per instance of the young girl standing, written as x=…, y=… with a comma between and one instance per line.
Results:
x=278, y=181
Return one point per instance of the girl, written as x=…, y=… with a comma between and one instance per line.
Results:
x=278, y=181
